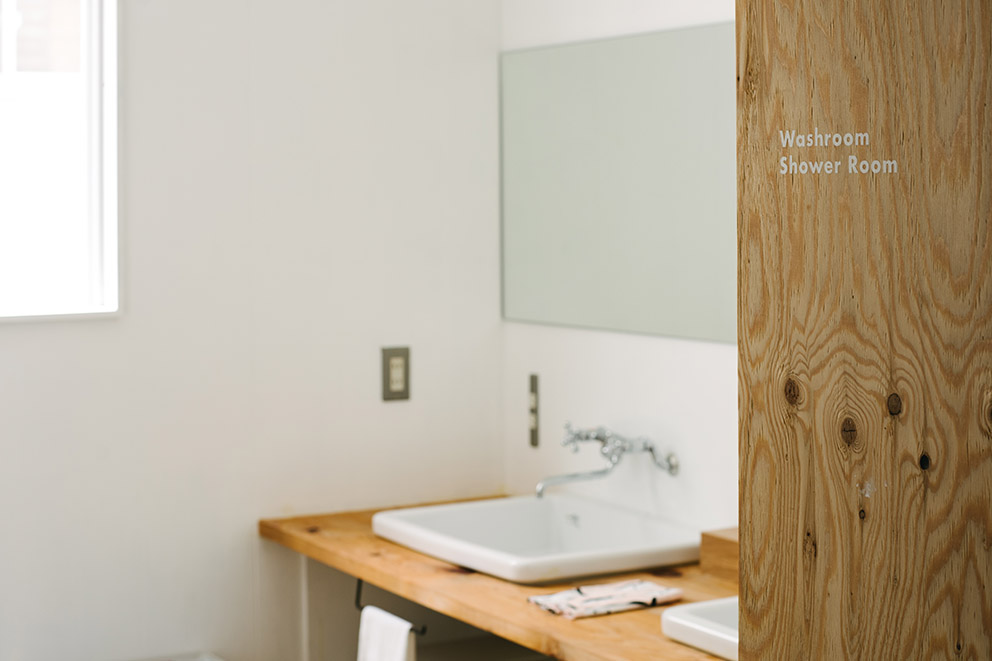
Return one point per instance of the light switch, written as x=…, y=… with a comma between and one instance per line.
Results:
x=534, y=436
x=397, y=374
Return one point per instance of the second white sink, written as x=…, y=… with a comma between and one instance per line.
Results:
x=708, y=625
x=526, y=539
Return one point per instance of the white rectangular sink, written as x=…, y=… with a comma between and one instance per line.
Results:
x=707, y=625
x=526, y=539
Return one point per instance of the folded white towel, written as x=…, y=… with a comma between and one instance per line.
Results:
x=383, y=636
x=606, y=598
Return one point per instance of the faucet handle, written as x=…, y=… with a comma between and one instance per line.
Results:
x=572, y=437
x=570, y=440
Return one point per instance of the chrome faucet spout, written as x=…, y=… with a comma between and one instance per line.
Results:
x=571, y=477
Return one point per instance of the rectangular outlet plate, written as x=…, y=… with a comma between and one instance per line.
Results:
x=395, y=373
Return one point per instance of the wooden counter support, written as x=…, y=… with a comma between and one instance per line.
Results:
x=346, y=542
x=719, y=553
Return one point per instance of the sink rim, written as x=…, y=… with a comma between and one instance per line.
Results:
x=394, y=526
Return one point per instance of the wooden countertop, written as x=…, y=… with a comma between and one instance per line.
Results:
x=345, y=541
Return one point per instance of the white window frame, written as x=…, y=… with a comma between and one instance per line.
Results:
x=100, y=23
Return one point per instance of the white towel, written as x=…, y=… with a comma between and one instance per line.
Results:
x=383, y=636
x=606, y=598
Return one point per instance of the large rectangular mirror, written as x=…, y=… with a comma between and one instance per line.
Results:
x=619, y=184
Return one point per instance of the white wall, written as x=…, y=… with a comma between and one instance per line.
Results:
x=301, y=183
x=682, y=394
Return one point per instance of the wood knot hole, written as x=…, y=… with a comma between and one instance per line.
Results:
x=894, y=403
x=809, y=545
x=861, y=514
x=849, y=431
x=793, y=393
x=957, y=647
x=924, y=461
x=313, y=529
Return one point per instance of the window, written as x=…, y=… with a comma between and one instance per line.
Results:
x=58, y=130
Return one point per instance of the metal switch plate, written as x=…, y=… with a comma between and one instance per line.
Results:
x=395, y=373
x=534, y=439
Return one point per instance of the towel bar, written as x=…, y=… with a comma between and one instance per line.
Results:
x=420, y=631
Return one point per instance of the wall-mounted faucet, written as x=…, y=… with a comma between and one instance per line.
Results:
x=612, y=447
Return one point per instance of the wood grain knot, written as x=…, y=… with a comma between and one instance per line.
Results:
x=793, y=392
x=313, y=529
x=809, y=545
x=849, y=431
x=958, y=647
x=894, y=404
x=924, y=461
x=862, y=515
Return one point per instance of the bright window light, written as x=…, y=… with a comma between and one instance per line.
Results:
x=58, y=169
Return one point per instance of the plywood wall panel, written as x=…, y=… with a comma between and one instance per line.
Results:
x=865, y=330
